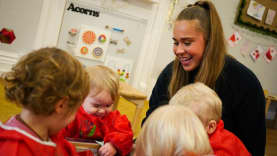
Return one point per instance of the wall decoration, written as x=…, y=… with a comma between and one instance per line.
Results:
x=122, y=66
x=73, y=32
x=256, y=53
x=109, y=40
x=244, y=50
x=256, y=10
x=127, y=41
x=102, y=38
x=270, y=16
x=270, y=54
x=122, y=50
x=234, y=39
x=114, y=42
x=88, y=37
x=97, y=52
x=88, y=47
x=115, y=29
x=72, y=38
x=171, y=10
x=252, y=15
x=7, y=36
x=81, y=10
x=84, y=50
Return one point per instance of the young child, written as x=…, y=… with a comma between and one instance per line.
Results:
x=95, y=120
x=173, y=131
x=50, y=85
x=206, y=104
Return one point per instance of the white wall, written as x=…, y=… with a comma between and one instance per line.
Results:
x=46, y=16
x=265, y=72
x=39, y=22
x=21, y=16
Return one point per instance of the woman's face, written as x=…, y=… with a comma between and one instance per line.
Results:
x=189, y=43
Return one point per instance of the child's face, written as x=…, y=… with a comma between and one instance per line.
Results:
x=98, y=104
x=210, y=125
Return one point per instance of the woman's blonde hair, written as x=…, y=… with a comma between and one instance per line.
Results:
x=214, y=55
x=200, y=98
x=43, y=77
x=172, y=131
x=104, y=78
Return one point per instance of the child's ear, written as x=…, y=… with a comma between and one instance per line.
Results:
x=211, y=127
x=61, y=105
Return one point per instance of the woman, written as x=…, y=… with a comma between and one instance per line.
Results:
x=199, y=46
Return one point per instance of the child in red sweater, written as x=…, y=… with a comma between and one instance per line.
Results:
x=50, y=85
x=95, y=120
x=208, y=107
x=173, y=131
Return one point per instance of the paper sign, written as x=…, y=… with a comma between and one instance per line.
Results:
x=270, y=16
x=270, y=54
x=234, y=38
x=93, y=43
x=256, y=53
x=256, y=10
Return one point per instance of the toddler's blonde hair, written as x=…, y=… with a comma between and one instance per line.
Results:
x=172, y=131
x=104, y=78
x=201, y=99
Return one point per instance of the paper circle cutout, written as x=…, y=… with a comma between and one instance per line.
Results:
x=89, y=37
x=97, y=52
x=102, y=38
x=84, y=50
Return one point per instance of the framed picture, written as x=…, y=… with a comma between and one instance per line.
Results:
x=258, y=16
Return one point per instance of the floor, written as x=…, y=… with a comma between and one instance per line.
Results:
x=271, y=142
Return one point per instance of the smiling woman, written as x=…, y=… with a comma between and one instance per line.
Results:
x=201, y=56
x=189, y=44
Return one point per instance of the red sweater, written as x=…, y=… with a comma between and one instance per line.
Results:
x=225, y=143
x=15, y=141
x=113, y=128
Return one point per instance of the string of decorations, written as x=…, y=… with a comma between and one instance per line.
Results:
x=171, y=12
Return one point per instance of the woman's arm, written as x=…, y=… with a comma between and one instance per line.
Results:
x=160, y=95
x=243, y=105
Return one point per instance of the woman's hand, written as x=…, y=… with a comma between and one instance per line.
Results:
x=107, y=150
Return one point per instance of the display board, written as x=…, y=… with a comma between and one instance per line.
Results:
x=98, y=35
x=258, y=16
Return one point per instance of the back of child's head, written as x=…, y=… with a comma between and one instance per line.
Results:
x=43, y=77
x=172, y=131
x=201, y=99
x=104, y=78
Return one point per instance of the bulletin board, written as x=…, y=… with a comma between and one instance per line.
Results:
x=98, y=35
x=258, y=16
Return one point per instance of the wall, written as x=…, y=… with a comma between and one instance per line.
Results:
x=22, y=17
x=46, y=16
x=265, y=72
x=42, y=19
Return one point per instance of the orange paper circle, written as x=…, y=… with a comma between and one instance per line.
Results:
x=89, y=37
x=84, y=50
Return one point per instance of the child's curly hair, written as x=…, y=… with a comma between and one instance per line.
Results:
x=43, y=77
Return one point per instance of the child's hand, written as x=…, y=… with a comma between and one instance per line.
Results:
x=107, y=150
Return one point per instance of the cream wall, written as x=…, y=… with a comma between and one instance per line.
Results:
x=265, y=72
x=39, y=22
x=46, y=17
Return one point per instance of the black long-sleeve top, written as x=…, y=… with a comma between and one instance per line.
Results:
x=243, y=102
